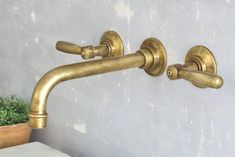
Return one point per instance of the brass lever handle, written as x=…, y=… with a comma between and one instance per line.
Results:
x=87, y=52
x=68, y=47
x=202, y=79
x=199, y=68
x=110, y=45
x=198, y=78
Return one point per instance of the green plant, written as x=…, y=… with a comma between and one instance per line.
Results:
x=13, y=110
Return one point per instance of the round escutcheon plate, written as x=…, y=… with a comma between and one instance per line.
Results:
x=159, y=54
x=204, y=59
x=114, y=43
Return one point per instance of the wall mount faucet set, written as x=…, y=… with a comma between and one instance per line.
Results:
x=199, y=68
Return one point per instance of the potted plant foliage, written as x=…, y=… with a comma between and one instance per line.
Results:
x=14, y=129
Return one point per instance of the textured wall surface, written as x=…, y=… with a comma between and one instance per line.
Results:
x=126, y=113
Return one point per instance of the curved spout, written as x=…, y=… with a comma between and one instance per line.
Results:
x=38, y=115
x=153, y=62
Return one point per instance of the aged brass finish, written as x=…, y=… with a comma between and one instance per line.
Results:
x=151, y=57
x=200, y=68
x=110, y=46
x=158, y=55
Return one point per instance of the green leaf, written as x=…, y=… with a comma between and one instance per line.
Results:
x=13, y=110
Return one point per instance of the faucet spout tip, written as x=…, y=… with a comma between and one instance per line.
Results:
x=37, y=121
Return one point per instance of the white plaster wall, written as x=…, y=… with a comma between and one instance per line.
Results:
x=125, y=113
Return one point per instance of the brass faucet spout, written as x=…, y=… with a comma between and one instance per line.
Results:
x=151, y=57
x=38, y=113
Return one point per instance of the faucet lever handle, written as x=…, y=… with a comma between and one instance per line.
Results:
x=68, y=47
x=200, y=68
x=87, y=52
x=110, y=46
x=198, y=78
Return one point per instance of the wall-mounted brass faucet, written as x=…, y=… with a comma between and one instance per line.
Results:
x=199, y=68
x=151, y=57
x=110, y=46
